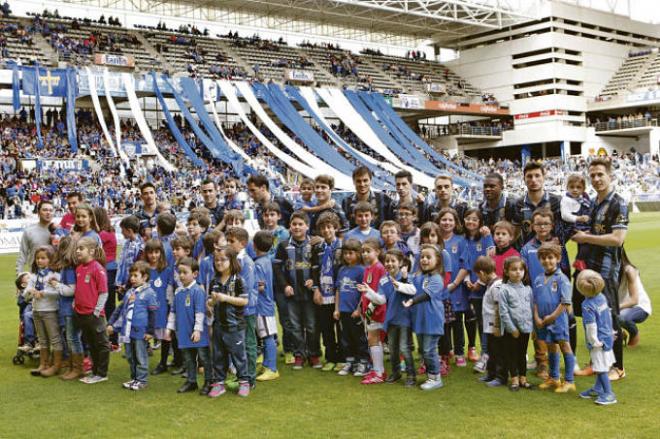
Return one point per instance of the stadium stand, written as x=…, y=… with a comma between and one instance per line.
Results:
x=639, y=70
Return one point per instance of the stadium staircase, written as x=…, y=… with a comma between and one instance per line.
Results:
x=161, y=60
x=636, y=71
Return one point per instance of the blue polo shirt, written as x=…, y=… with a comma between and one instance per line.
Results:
x=456, y=246
x=247, y=274
x=474, y=249
x=550, y=291
x=596, y=310
x=188, y=302
x=428, y=317
x=160, y=281
x=263, y=273
x=396, y=313
x=358, y=234
x=347, y=281
x=143, y=302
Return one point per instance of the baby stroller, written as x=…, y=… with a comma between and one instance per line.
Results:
x=24, y=349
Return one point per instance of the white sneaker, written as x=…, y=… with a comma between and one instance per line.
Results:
x=128, y=384
x=576, y=367
x=346, y=370
x=432, y=383
x=93, y=379
x=480, y=365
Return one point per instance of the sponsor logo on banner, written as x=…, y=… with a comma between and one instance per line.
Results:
x=299, y=75
x=435, y=87
x=411, y=101
x=106, y=59
x=535, y=114
x=55, y=164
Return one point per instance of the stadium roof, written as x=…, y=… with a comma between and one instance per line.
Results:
x=421, y=19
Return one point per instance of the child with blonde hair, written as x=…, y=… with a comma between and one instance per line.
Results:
x=597, y=321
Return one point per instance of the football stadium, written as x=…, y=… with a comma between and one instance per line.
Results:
x=329, y=218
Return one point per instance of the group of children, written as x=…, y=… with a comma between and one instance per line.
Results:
x=209, y=295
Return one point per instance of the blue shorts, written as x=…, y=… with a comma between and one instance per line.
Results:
x=557, y=331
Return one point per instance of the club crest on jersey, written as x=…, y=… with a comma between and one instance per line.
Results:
x=425, y=284
x=188, y=301
x=158, y=283
x=454, y=248
x=478, y=246
x=554, y=286
x=369, y=278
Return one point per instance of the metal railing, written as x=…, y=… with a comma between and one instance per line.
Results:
x=616, y=125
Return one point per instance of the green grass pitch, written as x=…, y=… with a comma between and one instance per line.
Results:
x=311, y=403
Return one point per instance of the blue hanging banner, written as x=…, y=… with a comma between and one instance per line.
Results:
x=15, y=87
x=51, y=82
x=71, y=93
x=37, y=106
x=176, y=132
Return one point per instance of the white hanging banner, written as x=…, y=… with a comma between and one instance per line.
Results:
x=342, y=181
x=99, y=114
x=352, y=119
x=229, y=93
x=141, y=122
x=308, y=94
x=115, y=115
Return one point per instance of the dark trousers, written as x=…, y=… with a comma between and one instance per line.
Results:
x=93, y=331
x=177, y=357
x=330, y=331
x=514, y=354
x=229, y=346
x=111, y=303
x=190, y=356
x=495, y=368
x=283, y=314
x=302, y=315
x=611, y=293
x=353, y=338
x=474, y=323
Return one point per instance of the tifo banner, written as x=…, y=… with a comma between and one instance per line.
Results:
x=67, y=165
x=52, y=82
x=298, y=75
x=410, y=101
x=106, y=59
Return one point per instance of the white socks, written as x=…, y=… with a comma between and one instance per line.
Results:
x=377, y=358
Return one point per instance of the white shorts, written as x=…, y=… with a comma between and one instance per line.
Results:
x=266, y=326
x=374, y=326
x=601, y=360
